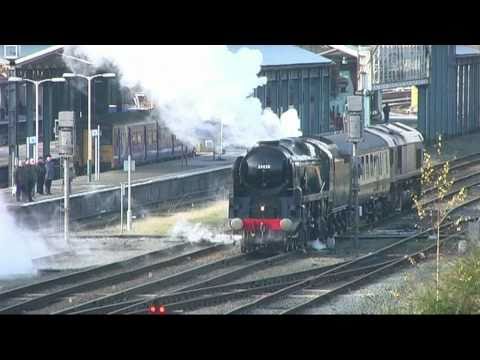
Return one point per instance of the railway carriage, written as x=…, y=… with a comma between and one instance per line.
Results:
x=295, y=190
x=146, y=139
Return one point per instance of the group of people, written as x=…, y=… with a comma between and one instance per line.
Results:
x=28, y=174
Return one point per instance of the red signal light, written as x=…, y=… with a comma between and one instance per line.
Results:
x=153, y=309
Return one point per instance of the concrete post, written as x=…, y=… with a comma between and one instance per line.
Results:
x=355, y=190
x=37, y=116
x=97, y=154
x=129, y=211
x=122, y=194
x=12, y=127
x=89, y=136
x=66, y=206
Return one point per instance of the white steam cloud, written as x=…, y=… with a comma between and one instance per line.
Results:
x=18, y=247
x=191, y=85
x=196, y=233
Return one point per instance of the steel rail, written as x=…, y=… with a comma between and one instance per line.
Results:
x=82, y=274
x=312, y=280
x=221, y=278
x=154, y=285
x=416, y=256
x=45, y=300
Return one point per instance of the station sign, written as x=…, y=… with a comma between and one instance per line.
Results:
x=354, y=128
x=355, y=103
x=31, y=140
x=96, y=133
x=354, y=125
x=125, y=165
x=66, y=133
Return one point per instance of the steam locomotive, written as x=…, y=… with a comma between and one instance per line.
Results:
x=295, y=190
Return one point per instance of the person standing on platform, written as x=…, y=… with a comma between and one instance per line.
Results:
x=49, y=174
x=19, y=174
x=386, y=113
x=27, y=181
x=32, y=179
x=40, y=175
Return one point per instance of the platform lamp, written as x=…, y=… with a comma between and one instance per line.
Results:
x=37, y=86
x=89, y=82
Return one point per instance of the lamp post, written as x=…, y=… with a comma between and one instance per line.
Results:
x=89, y=141
x=37, y=86
x=221, y=139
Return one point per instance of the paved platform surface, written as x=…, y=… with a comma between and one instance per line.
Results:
x=457, y=147
x=154, y=171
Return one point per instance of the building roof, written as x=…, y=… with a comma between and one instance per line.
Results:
x=466, y=50
x=25, y=50
x=33, y=53
x=351, y=50
x=281, y=55
x=37, y=55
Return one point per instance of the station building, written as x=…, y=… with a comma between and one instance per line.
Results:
x=296, y=77
x=299, y=78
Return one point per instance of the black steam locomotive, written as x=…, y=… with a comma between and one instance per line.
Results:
x=295, y=190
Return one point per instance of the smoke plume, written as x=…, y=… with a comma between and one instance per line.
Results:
x=191, y=85
x=18, y=246
x=197, y=233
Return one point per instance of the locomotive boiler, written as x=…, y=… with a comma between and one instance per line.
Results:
x=295, y=190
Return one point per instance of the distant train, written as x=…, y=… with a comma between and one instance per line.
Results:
x=147, y=140
x=291, y=191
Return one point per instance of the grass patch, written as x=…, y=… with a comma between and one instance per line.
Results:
x=213, y=215
x=459, y=291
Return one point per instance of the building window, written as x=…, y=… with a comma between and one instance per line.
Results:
x=11, y=51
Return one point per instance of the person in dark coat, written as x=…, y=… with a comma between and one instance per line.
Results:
x=40, y=175
x=49, y=174
x=386, y=113
x=19, y=174
x=31, y=179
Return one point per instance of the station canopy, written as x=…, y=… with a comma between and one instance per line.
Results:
x=281, y=55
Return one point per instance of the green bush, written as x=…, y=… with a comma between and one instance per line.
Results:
x=459, y=291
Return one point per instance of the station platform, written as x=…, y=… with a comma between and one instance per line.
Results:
x=456, y=147
x=113, y=179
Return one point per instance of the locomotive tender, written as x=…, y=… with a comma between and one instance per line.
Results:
x=295, y=190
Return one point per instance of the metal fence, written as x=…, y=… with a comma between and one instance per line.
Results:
x=400, y=65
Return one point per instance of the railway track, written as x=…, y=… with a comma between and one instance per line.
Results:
x=42, y=293
x=204, y=297
x=295, y=292
x=312, y=291
x=209, y=274
x=208, y=292
x=201, y=285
